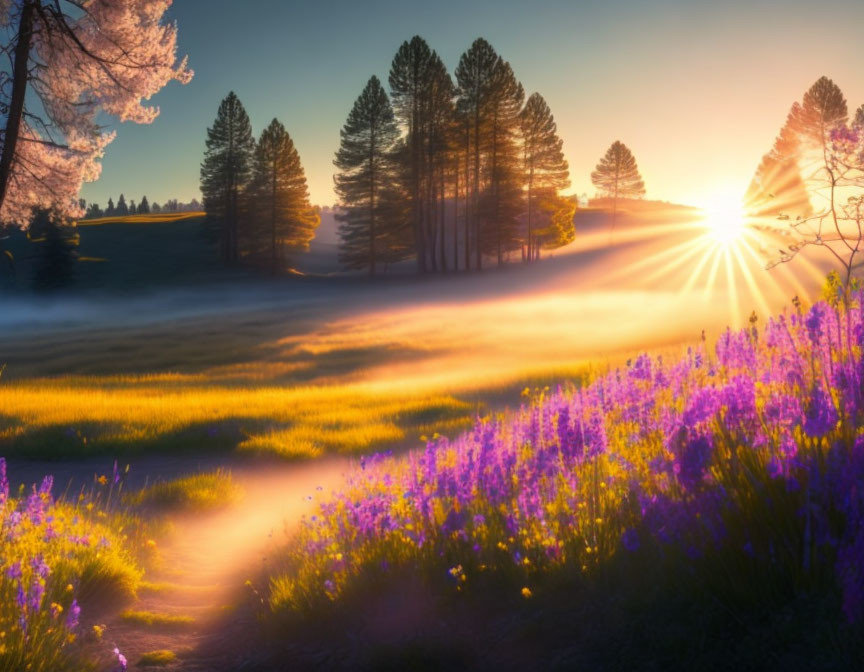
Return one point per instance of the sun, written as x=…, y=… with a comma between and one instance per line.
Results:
x=725, y=219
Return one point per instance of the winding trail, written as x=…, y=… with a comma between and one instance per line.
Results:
x=207, y=557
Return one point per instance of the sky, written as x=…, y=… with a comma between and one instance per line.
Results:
x=696, y=88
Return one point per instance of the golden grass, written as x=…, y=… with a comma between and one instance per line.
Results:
x=151, y=619
x=297, y=386
x=198, y=492
x=101, y=416
x=143, y=219
x=158, y=658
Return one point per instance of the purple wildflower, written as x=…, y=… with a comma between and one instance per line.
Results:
x=820, y=416
x=694, y=457
x=122, y=663
x=73, y=615
x=630, y=540
x=13, y=571
x=814, y=321
x=4, y=482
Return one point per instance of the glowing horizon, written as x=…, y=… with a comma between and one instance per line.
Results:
x=693, y=123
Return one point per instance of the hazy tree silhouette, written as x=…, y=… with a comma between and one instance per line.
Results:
x=617, y=176
x=225, y=172
x=122, y=208
x=280, y=198
x=370, y=221
x=94, y=211
x=110, y=210
x=546, y=172
x=144, y=206
x=57, y=241
x=830, y=153
x=133, y=209
x=821, y=110
x=777, y=187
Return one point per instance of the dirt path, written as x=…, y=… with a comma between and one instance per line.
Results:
x=208, y=557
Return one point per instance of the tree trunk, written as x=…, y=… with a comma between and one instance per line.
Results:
x=442, y=219
x=456, y=214
x=273, y=222
x=478, y=259
x=372, y=199
x=496, y=193
x=419, y=233
x=20, y=76
x=467, y=224
x=530, y=232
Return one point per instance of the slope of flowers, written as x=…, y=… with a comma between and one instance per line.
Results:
x=752, y=453
x=51, y=555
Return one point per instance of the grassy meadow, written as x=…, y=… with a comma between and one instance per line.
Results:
x=240, y=408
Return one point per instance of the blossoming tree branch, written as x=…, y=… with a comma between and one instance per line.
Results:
x=72, y=61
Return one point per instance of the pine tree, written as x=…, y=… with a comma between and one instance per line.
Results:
x=370, y=228
x=617, y=176
x=110, y=210
x=491, y=99
x=155, y=208
x=411, y=77
x=144, y=206
x=439, y=159
x=822, y=108
x=57, y=239
x=474, y=76
x=777, y=187
x=546, y=170
x=286, y=219
x=133, y=209
x=122, y=208
x=503, y=198
x=225, y=172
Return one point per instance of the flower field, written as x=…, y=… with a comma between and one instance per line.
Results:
x=740, y=465
x=53, y=555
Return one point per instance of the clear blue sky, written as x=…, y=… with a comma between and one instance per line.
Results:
x=696, y=88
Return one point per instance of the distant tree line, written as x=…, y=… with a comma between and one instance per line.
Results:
x=144, y=207
x=255, y=193
x=450, y=173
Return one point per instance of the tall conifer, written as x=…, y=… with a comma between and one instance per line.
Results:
x=372, y=230
x=225, y=172
x=546, y=173
x=617, y=176
x=279, y=197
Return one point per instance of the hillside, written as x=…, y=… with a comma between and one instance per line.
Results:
x=149, y=251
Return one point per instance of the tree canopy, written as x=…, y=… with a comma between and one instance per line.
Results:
x=69, y=62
